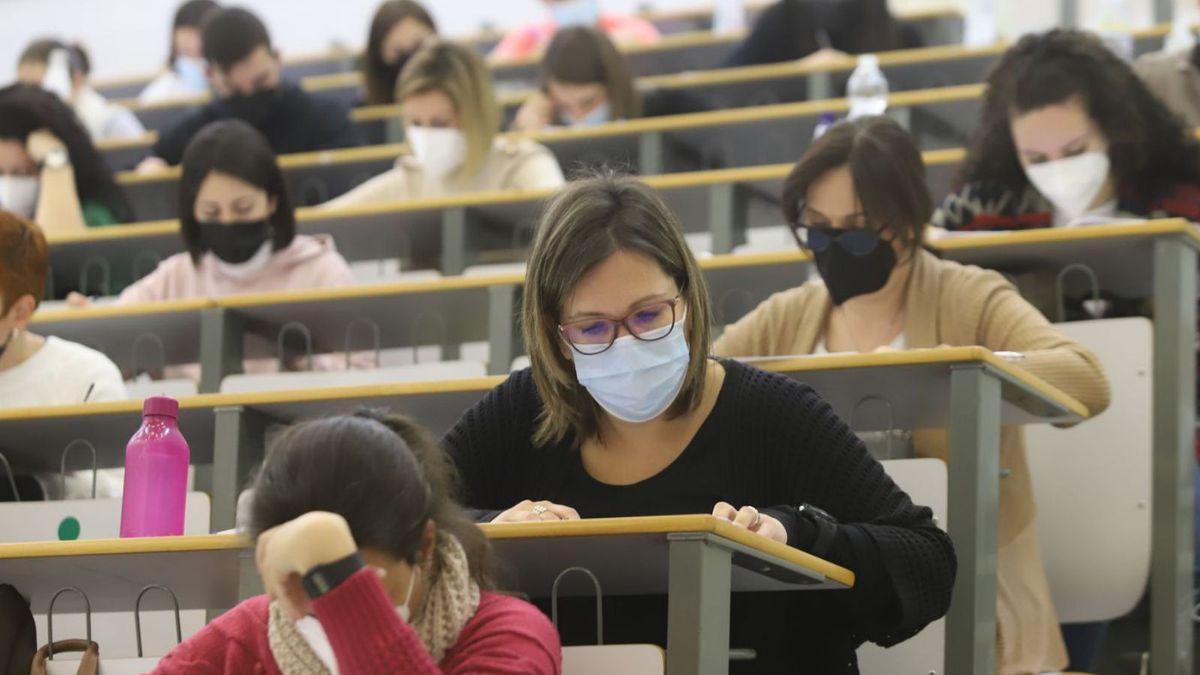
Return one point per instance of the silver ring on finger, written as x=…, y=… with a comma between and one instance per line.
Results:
x=539, y=509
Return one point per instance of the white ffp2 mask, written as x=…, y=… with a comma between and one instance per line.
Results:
x=439, y=151
x=19, y=195
x=1072, y=183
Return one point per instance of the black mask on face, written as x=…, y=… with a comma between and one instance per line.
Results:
x=255, y=109
x=848, y=276
x=391, y=71
x=236, y=243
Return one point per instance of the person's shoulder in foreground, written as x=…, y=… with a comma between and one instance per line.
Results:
x=61, y=373
x=505, y=636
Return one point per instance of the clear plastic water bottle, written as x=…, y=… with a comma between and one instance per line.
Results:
x=1182, y=38
x=868, y=88
x=981, y=29
x=1114, y=26
x=824, y=122
x=729, y=16
x=57, y=79
x=156, y=473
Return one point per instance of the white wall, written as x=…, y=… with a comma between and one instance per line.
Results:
x=128, y=37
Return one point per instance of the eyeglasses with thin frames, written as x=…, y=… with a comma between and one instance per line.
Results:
x=595, y=335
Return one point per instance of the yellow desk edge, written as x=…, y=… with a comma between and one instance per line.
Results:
x=946, y=355
x=90, y=547
x=620, y=128
x=1152, y=228
x=600, y=527
x=482, y=384
x=579, y=528
x=117, y=311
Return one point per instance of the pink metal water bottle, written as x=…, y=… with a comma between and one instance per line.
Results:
x=156, y=473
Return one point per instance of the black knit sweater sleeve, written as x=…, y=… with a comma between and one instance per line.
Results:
x=904, y=565
x=490, y=447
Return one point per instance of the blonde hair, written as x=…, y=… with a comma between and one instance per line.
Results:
x=461, y=75
x=583, y=225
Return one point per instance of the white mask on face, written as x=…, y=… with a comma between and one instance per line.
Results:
x=1072, y=183
x=635, y=380
x=242, y=271
x=314, y=634
x=599, y=115
x=439, y=151
x=192, y=72
x=19, y=194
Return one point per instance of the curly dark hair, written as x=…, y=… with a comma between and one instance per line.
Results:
x=26, y=108
x=1150, y=148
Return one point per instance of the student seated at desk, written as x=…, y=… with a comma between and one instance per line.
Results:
x=186, y=72
x=398, y=30
x=585, y=81
x=624, y=413
x=69, y=80
x=239, y=229
x=1070, y=136
x=857, y=201
x=531, y=38
x=451, y=122
x=50, y=171
x=35, y=370
x=369, y=567
x=247, y=77
x=814, y=30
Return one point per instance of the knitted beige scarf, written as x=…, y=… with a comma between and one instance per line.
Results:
x=451, y=599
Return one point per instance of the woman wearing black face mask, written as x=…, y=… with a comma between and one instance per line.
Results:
x=399, y=28
x=857, y=201
x=238, y=228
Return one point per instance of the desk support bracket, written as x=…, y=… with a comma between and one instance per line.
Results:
x=974, y=495
x=1173, y=457
x=222, y=333
x=698, y=608
x=238, y=442
x=504, y=327
x=651, y=152
x=727, y=213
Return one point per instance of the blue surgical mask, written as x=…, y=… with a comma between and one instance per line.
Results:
x=635, y=380
x=599, y=115
x=191, y=72
x=575, y=13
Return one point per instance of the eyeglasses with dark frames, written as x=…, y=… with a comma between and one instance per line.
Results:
x=857, y=235
x=595, y=335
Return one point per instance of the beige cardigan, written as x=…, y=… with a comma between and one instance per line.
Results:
x=512, y=164
x=948, y=304
x=1174, y=80
x=952, y=304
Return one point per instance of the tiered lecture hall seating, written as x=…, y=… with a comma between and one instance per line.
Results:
x=441, y=281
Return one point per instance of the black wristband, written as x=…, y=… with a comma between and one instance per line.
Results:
x=324, y=578
x=825, y=524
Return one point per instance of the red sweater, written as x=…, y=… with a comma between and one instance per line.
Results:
x=506, y=636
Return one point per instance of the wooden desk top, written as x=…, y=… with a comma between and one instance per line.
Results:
x=665, y=124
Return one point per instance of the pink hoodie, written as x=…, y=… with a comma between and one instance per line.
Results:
x=308, y=262
x=531, y=38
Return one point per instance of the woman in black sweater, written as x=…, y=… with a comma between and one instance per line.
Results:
x=623, y=413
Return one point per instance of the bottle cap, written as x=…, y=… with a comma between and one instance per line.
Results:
x=160, y=405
